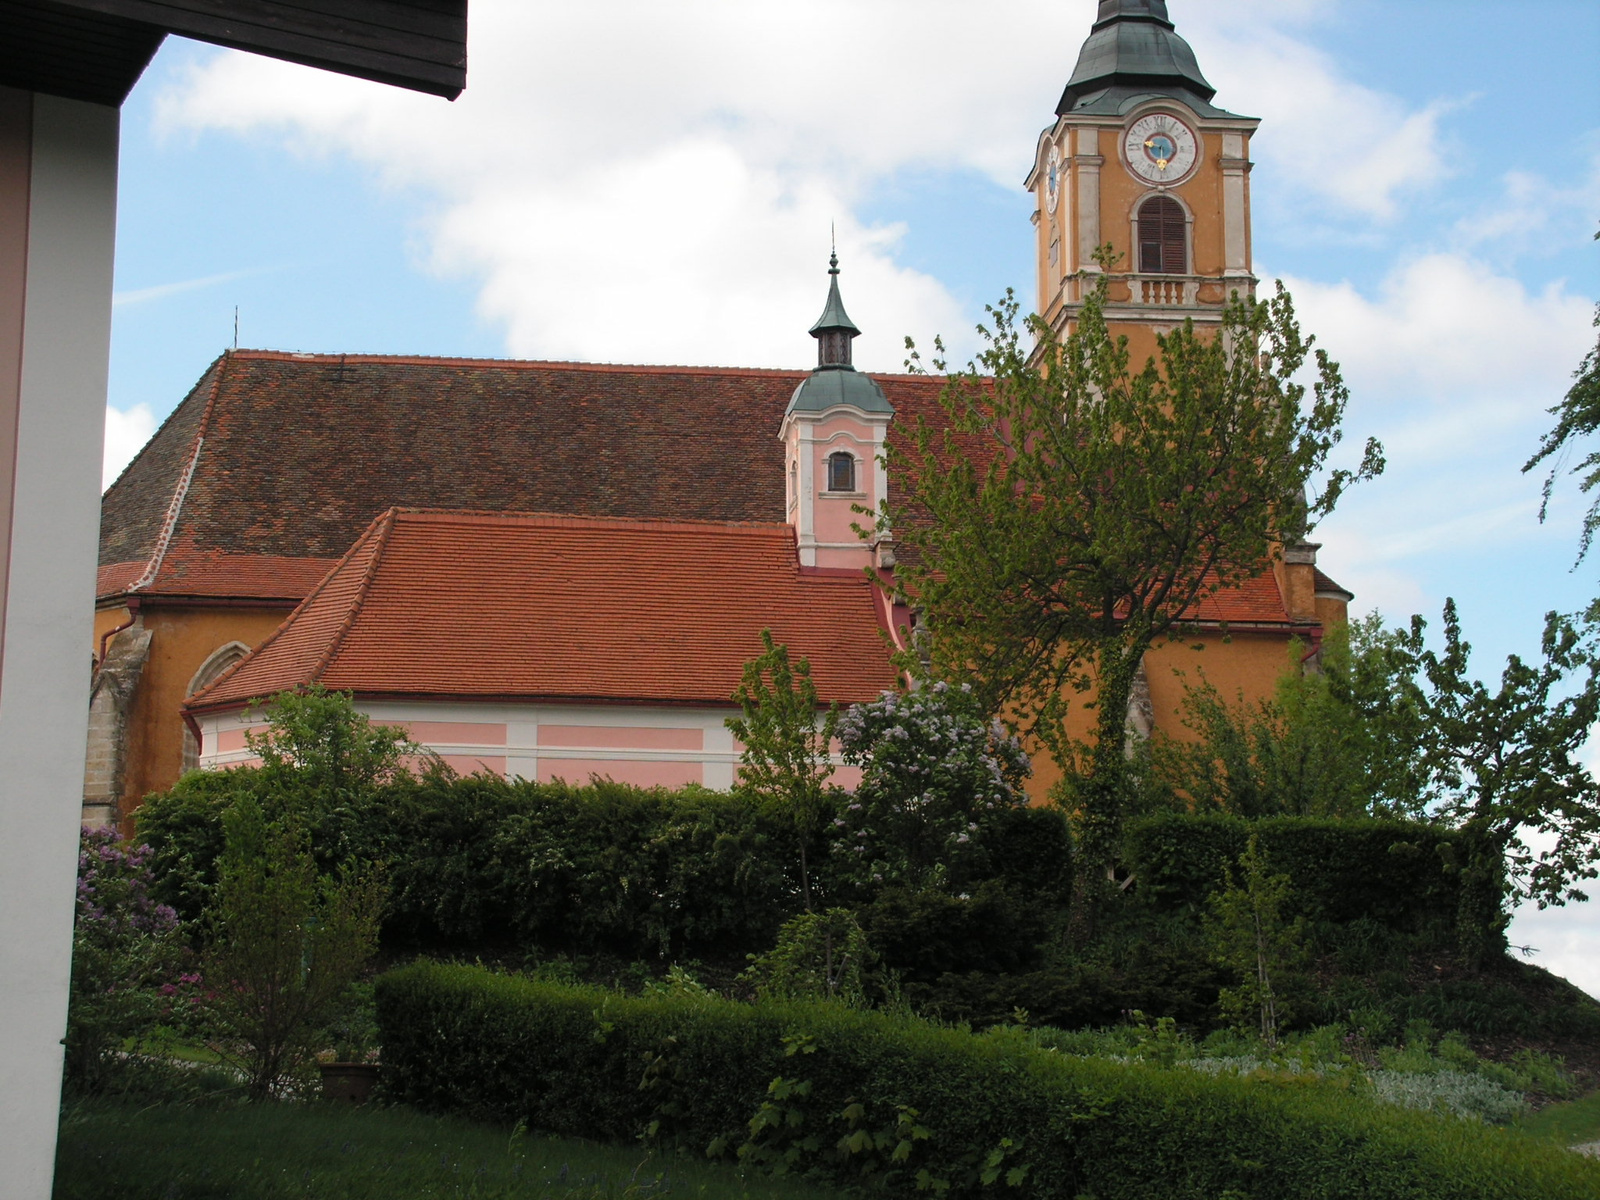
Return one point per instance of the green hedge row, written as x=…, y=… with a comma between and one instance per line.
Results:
x=482, y=862
x=1399, y=874
x=905, y=1106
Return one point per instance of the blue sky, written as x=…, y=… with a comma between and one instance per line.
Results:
x=640, y=182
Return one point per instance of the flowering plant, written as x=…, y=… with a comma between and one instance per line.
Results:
x=935, y=770
x=127, y=958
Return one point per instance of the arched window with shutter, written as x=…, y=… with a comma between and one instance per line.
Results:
x=1163, y=237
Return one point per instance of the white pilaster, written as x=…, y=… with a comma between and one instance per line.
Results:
x=1235, y=207
x=1086, y=164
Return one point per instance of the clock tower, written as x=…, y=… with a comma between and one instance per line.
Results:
x=1140, y=159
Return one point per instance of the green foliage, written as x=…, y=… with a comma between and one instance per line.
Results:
x=1506, y=764
x=570, y=1059
x=786, y=760
x=819, y=955
x=1398, y=874
x=1500, y=765
x=1254, y=939
x=1079, y=506
x=1577, y=417
x=1344, y=740
x=127, y=961
x=937, y=775
x=485, y=864
x=284, y=947
x=320, y=753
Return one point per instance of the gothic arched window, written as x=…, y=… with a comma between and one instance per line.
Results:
x=841, y=472
x=1163, y=237
x=210, y=671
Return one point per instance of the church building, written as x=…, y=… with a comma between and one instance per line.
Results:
x=557, y=570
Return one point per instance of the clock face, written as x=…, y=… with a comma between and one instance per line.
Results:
x=1052, y=179
x=1160, y=148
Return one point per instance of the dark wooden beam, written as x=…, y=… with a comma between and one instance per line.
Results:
x=416, y=44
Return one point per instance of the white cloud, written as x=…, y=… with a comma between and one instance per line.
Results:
x=161, y=291
x=631, y=180
x=126, y=433
x=1452, y=365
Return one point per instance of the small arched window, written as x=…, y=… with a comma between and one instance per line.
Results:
x=841, y=472
x=210, y=671
x=1163, y=237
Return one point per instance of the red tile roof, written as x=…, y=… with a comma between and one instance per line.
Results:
x=275, y=463
x=276, y=458
x=543, y=607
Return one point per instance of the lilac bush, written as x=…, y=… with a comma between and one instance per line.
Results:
x=127, y=958
x=935, y=771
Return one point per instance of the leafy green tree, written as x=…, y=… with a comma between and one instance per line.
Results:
x=1076, y=509
x=787, y=738
x=1505, y=768
x=1252, y=937
x=320, y=754
x=285, y=945
x=1341, y=740
x=1577, y=417
x=322, y=764
x=1425, y=739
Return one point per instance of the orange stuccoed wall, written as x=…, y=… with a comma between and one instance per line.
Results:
x=183, y=638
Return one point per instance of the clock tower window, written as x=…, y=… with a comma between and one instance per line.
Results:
x=1163, y=237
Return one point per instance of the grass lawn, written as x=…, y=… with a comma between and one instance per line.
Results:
x=111, y=1151
x=1571, y=1124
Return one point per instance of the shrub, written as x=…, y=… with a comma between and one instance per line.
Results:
x=935, y=773
x=1401, y=875
x=906, y=1106
x=127, y=956
x=818, y=955
x=285, y=946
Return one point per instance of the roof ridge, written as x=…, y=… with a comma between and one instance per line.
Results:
x=168, y=419
x=424, y=360
x=541, y=517
x=382, y=526
x=169, y=523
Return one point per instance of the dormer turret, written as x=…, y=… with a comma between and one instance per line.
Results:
x=833, y=433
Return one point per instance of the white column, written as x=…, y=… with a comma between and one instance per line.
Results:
x=1235, y=212
x=1086, y=166
x=49, y=605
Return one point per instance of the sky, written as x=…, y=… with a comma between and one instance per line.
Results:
x=633, y=181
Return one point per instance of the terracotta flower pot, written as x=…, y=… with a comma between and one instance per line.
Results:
x=348, y=1081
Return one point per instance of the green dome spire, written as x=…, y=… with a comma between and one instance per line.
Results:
x=834, y=380
x=1133, y=50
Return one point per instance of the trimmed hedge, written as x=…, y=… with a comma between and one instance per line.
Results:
x=915, y=1100
x=1400, y=874
x=485, y=864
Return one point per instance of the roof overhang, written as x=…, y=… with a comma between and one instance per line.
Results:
x=95, y=50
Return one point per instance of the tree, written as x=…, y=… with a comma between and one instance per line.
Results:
x=1577, y=416
x=1075, y=510
x=1252, y=937
x=1427, y=740
x=1342, y=740
x=786, y=760
x=935, y=775
x=319, y=750
x=1504, y=769
x=284, y=945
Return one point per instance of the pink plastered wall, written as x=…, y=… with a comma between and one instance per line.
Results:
x=635, y=771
